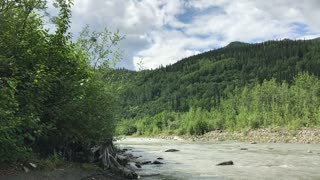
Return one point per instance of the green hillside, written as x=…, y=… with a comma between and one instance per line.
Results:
x=206, y=80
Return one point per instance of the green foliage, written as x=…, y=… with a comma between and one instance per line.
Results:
x=126, y=128
x=11, y=146
x=88, y=118
x=100, y=48
x=52, y=100
x=55, y=160
x=265, y=105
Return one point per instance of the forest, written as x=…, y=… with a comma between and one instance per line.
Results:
x=240, y=86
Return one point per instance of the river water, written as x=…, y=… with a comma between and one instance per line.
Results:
x=197, y=160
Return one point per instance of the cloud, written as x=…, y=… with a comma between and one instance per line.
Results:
x=163, y=32
x=167, y=47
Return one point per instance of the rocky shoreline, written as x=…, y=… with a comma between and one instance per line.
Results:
x=278, y=135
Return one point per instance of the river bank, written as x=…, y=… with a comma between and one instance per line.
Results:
x=62, y=173
x=67, y=171
x=278, y=135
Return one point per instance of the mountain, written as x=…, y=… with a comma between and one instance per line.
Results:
x=236, y=44
x=204, y=80
x=316, y=39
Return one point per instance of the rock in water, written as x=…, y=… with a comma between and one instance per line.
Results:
x=243, y=149
x=146, y=162
x=156, y=162
x=172, y=150
x=137, y=165
x=159, y=158
x=225, y=163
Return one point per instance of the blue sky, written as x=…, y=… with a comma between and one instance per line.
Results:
x=161, y=32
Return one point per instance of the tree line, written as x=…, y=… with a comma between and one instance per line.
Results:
x=270, y=104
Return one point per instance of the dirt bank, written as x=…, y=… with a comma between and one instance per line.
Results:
x=58, y=174
x=12, y=173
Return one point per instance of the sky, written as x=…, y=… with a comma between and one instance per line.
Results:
x=162, y=32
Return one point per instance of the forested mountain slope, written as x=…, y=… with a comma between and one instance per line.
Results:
x=203, y=80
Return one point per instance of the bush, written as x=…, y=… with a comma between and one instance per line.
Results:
x=126, y=127
x=12, y=145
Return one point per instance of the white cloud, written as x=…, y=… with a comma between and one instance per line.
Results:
x=156, y=35
x=167, y=48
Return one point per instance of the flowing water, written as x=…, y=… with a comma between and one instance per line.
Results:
x=197, y=160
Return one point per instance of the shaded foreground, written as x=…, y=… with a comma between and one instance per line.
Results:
x=68, y=174
x=198, y=160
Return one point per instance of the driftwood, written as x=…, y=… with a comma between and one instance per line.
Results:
x=111, y=160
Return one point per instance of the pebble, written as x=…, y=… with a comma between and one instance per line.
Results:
x=26, y=169
x=33, y=165
x=277, y=135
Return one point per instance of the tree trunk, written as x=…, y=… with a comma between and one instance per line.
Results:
x=108, y=156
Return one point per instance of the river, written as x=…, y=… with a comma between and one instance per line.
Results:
x=197, y=160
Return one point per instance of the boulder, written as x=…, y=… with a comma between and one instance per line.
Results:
x=122, y=160
x=226, y=163
x=160, y=158
x=243, y=149
x=172, y=150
